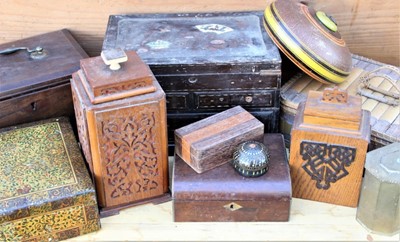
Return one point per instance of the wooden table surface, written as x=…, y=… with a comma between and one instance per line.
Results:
x=309, y=221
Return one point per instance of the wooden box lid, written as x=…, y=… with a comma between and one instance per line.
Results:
x=194, y=43
x=42, y=170
x=115, y=75
x=210, y=142
x=225, y=183
x=21, y=72
x=333, y=108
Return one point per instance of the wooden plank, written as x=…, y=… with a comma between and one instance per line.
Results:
x=309, y=221
x=370, y=28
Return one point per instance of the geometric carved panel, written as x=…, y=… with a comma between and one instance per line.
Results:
x=326, y=163
x=129, y=150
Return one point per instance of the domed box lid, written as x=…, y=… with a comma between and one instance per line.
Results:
x=310, y=39
x=384, y=163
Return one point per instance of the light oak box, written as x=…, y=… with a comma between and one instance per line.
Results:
x=121, y=117
x=329, y=142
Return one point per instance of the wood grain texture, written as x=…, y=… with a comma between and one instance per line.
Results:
x=371, y=28
x=327, y=165
x=345, y=114
x=175, y=121
x=208, y=196
x=127, y=146
x=37, y=106
x=100, y=88
x=34, y=89
x=210, y=142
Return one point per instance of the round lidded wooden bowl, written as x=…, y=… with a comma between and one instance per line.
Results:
x=310, y=39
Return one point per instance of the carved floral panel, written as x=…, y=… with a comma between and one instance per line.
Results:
x=129, y=152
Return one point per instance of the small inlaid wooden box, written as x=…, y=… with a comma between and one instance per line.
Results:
x=121, y=118
x=45, y=191
x=35, y=85
x=210, y=142
x=329, y=142
x=223, y=195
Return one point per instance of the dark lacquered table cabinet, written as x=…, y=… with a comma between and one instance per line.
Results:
x=205, y=62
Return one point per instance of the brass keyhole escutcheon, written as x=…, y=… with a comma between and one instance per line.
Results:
x=232, y=206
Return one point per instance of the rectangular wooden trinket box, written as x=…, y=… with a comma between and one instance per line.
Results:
x=222, y=195
x=205, y=62
x=121, y=119
x=35, y=86
x=210, y=142
x=46, y=193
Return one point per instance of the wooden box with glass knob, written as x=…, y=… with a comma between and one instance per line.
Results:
x=121, y=118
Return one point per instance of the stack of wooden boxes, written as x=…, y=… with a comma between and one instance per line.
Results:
x=205, y=62
x=205, y=185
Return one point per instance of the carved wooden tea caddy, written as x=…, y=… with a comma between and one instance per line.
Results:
x=121, y=118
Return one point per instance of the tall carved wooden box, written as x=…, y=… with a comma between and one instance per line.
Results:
x=45, y=191
x=34, y=77
x=330, y=136
x=121, y=117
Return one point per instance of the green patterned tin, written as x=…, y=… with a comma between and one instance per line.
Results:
x=46, y=193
